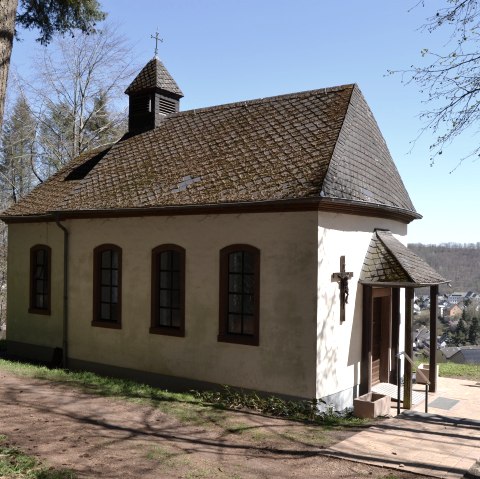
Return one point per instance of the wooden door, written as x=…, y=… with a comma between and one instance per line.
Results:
x=381, y=335
x=376, y=339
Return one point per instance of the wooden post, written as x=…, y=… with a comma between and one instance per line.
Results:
x=433, y=338
x=407, y=370
x=395, y=333
x=366, y=362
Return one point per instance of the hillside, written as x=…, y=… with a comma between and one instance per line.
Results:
x=459, y=263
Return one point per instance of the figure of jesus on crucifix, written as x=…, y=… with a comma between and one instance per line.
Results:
x=342, y=278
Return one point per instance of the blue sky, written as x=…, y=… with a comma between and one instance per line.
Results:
x=220, y=51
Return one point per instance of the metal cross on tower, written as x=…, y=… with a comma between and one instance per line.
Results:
x=157, y=39
x=342, y=278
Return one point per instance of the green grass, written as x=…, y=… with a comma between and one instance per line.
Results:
x=454, y=370
x=464, y=371
x=184, y=406
x=16, y=464
x=97, y=384
x=167, y=457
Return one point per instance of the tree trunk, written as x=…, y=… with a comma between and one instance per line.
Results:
x=8, y=9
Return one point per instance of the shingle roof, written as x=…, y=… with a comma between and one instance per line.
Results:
x=467, y=355
x=389, y=261
x=310, y=145
x=361, y=167
x=154, y=75
x=449, y=351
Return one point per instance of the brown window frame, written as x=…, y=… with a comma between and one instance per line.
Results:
x=224, y=335
x=33, y=307
x=155, y=326
x=97, y=286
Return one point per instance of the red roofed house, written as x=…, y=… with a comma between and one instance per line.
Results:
x=205, y=246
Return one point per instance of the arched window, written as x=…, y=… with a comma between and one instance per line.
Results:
x=168, y=290
x=239, y=294
x=107, y=286
x=40, y=279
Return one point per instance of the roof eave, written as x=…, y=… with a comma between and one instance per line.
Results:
x=291, y=204
x=399, y=284
x=368, y=209
x=27, y=218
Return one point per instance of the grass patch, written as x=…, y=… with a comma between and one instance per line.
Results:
x=463, y=371
x=160, y=454
x=238, y=428
x=207, y=472
x=183, y=406
x=454, y=370
x=16, y=464
x=166, y=457
x=101, y=385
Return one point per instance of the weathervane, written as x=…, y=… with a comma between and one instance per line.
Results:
x=157, y=39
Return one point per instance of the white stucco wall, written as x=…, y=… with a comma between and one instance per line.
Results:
x=284, y=362
x=299, y=253
x=339, y=346
x=38, y=329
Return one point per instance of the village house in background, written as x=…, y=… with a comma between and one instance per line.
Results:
x=259, y=244
x=451, y=346
x=461, y=354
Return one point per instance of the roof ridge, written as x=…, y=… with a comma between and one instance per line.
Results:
x=332, y=156
x=267, y=99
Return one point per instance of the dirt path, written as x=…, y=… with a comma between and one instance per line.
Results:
x=113, y=438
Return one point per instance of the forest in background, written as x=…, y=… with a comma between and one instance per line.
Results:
x=457, y=262
x=74, y=103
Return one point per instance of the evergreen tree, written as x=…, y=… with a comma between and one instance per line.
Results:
x=55, y=138
x=474, y=332
x=460, y=335
x=18, y=154
x=102, y=126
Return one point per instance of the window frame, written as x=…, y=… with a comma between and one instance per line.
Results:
x=97, y=285
x=33, y=291
x=224, y=335
x=155, y=327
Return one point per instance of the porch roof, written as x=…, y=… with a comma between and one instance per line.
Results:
x=389, y=263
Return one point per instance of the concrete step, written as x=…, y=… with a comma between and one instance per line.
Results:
x=391, y=390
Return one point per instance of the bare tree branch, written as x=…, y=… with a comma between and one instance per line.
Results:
x=450, y=80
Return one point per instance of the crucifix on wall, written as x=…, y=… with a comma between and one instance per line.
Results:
x=342, y=278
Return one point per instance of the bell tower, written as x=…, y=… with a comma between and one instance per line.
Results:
x=153, y=94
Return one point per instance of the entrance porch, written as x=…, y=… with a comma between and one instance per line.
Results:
x=389, y=269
